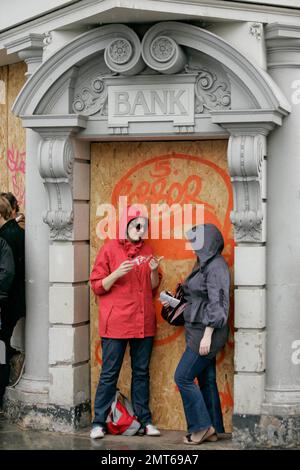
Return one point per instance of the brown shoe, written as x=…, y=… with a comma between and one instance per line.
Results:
x=212, y=438
x=209, y=433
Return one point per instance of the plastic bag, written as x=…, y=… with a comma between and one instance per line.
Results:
x=121, y=418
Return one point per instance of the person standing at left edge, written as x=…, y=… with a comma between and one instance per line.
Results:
x=15, y=305
x=124, y=276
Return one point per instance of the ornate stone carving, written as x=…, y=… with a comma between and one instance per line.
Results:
x=211, y=93
x=161, y=52
x=56, y=169
x=119, y=51
x=92, y=98
x=163, y=49
x=60, y=223
x=245, y=158
x=255, y=30
x=123, y=54
x=48, y=38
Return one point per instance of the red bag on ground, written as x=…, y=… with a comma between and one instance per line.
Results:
x=121, y=419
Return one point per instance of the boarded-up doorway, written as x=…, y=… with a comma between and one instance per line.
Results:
x=170, y=172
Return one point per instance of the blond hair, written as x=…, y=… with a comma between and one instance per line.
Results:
x=5, y=208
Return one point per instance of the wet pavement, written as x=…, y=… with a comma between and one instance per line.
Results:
x=13, y=437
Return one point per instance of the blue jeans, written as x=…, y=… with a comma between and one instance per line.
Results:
x=191, y=366
x=208, y=384
x=113, y=351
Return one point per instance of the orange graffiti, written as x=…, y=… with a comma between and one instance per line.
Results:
x=159, y=180
x=226, y=397
x=97, y=352
x=160, y=187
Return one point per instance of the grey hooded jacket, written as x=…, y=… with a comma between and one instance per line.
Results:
x=207, y=289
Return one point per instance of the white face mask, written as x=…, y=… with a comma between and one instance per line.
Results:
x=137, y=229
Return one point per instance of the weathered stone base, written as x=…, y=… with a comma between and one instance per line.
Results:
x=263, y=431
x=48, y=417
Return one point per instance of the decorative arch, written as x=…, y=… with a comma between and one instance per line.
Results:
x=257, y=83
x=160, y=55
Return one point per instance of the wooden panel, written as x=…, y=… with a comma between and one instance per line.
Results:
x=3, y=128
x=155, y=172
x=16, y=150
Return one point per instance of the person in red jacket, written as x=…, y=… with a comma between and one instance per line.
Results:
x=124, y=276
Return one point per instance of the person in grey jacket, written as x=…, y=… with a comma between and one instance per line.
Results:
x=206, y=290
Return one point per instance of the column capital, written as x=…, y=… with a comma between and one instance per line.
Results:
x=283, y=45
x=282, y=31
x=52, y=125
x=250, y=121
x=30, y=49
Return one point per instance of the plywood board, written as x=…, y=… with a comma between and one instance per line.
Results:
x=3, y=128
x=156, y=172
x=16, y=149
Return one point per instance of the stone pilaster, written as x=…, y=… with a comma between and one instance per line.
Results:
x=247, y=163
x=280, y=420
x=63, y=169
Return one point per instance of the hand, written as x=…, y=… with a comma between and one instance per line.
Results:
x=165, y=303
x=154, y=263
x=205, y=345
x=124, y=268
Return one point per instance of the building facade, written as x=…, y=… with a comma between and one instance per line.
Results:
x=156, y=82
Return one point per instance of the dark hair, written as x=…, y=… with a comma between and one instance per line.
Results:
x=12, y=200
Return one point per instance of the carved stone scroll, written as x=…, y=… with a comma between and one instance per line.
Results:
x=123, y=54
x=92, y=98
x=210, y=92
x=56, y=168
x=245, y=158
x=162, y=53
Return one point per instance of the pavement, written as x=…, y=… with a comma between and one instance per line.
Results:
x=13, y=437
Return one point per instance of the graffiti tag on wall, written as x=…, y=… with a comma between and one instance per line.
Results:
x=16, y=165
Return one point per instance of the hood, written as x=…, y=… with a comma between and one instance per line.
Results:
x=129, y=213
x=132, y=249
x=206, y=240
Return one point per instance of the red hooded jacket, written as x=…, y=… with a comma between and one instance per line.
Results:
x=126, y=310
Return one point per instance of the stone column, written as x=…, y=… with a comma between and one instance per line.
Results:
x=33, y=386
x=246, y=159
x=247, y=164
x=282, y=391
x=35, y=380
x=64, y=169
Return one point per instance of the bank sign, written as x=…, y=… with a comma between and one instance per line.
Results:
x=146, y=102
